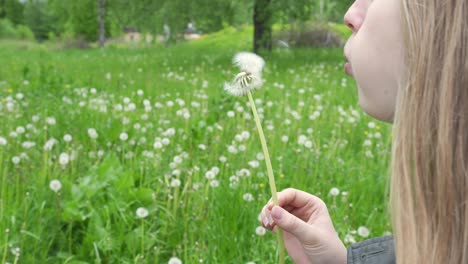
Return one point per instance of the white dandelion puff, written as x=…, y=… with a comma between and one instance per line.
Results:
x=64, y=158
x=260, y=230
x=250, y=77
x=334, y=191
x=363, y=231
x=174, y=260
x=55, y=185
x=141, y=212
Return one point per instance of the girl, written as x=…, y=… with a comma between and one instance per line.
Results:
x=410, y=61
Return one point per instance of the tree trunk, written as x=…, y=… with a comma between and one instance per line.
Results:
x=102, y=30
x=262, y=19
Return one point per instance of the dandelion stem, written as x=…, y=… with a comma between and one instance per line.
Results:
x=271, y=178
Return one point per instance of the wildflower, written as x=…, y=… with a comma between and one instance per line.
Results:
x=141, y=212
x=248, y=197
x=67, y=138
x=123, y=136
x=3, y=141
x=260, y=230
x=16, y=160
x=175, y=183
x=174, y=260
x=249, y=78
x=371, y=125
x=254, y=163
x=334, y=191
x=284, y=139
x=55, y=185
x=50, y=144
x=210, y=175
x=92, y=133
x=363, y=231
x=367, y=143
x=222, y=159
x=51, y=121
x=64, y=158
x=214, y=183
x=20, y=130
x=349, y=239
x=231, y=113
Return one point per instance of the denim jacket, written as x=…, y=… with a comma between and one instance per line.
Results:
x=378, y=250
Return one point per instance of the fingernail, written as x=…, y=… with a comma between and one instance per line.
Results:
x=265, y=221
x=270, y=220
x=276, y=213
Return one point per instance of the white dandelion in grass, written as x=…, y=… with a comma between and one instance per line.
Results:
x=174, y=260
x=141, y=212
x=55, y=185
x=249, y=79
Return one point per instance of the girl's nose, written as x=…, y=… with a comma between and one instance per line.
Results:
x=355, y=15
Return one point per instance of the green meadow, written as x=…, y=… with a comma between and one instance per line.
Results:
x=136, y=154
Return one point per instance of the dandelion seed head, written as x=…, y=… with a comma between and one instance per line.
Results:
x=334, y=191
x=363, y=231
x=260, y=230
x=64, y=158
x=55, y=185
x=174, y=260
x=67, y=138
x=142, y=212
x=249, y=62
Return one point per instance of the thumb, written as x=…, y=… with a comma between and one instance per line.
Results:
x=292, y=224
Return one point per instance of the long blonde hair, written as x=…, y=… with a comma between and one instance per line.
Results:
x=429, y=183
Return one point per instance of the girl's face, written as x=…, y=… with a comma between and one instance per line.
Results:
x=374, y=54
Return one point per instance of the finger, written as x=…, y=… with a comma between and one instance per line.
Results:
x=290, y=223
x=296, y=198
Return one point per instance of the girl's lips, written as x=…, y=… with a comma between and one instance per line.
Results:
x=348, y=69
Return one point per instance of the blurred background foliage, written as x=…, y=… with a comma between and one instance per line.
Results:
x=67, y=20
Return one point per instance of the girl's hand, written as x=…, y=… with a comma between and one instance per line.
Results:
x=309, y=235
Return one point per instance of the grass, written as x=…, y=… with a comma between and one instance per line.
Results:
x=182, y=129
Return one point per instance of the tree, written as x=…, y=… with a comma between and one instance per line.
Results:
x=101, y=14
x=262, y=20
x=38, y=19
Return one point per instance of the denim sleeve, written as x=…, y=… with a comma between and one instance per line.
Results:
x=378, y=250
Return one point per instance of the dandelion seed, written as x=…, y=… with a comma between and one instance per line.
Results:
x=334, y=191
x=367, y=143
x=260, y=230
x=222, y=159
x=174, y=260
x=141, y=212
x=165, y=141
x=55, y=185
x=284, y=139
x=371, y=125
x=231, y=114
x=363, y=231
